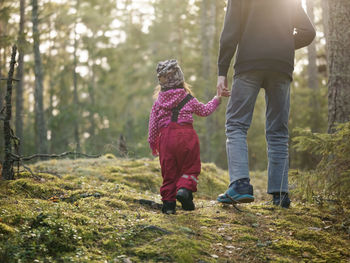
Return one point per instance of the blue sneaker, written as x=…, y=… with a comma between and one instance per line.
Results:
x=240, y=191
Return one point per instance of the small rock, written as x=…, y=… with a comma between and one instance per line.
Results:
x=187, y=230
x=306, y=255
x=214, y=256
x=314, y=229
x=255, y=225
x=228, y=238
x=230, y=247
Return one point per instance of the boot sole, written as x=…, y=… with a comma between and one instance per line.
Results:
x=185, y=203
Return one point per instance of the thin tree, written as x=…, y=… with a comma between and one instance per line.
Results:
x=338, y=63
x=7, y=171
x=208, y=16
x=40, y=126
x=75, y=83
x=313, y=73
x=19, y=86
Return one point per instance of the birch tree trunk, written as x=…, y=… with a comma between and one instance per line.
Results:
x=338, y=63
x=40, y=126
x=19, y=86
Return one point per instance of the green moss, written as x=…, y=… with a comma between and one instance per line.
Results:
x=116, y=204
x=172, y=248
x=293, y=247
x=96, y=219
x=32, y=189
x=115, y=169
x=312, y=235
x=5, y=229
x=110, y=156
x=247, y=238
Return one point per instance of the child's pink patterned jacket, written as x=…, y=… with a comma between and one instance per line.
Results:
x=161, y=112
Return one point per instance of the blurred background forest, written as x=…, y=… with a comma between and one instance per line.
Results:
x=97, y=75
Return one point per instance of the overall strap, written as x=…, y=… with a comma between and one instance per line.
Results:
x=177, y=109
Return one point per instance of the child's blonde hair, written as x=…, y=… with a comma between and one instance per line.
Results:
x=186, y=86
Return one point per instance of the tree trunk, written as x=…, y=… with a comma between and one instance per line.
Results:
x=338, y=63
x=208, y=10
x=75, y=82
x=325, y=19
x=40, y=127
x=7, y=171
x=91, y=89
x=19, y=86
x=313, y=74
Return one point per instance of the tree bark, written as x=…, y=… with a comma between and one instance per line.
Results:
x=7, y=172
x=313, y=73
x=338, y=63
x=325, y=20
x=75, y=91
x=208, y=25
x=40, y=126
x=91, y=90
x=19, y=86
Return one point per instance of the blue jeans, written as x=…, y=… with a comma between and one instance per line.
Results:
x=245, y=89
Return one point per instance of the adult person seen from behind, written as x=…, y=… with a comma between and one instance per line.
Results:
x=266, y=34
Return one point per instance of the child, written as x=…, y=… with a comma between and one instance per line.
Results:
x=172, y=137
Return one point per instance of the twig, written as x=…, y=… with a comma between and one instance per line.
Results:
x=13, y=79
x=31, y=172
x=234, y=202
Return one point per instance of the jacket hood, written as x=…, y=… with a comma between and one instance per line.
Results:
x=171, y=98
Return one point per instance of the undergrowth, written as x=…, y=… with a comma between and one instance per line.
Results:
x=88, y=211
x=331, y=178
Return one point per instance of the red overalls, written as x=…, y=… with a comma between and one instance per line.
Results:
x=179, y=157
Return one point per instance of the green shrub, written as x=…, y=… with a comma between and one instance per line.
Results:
x=331, y=178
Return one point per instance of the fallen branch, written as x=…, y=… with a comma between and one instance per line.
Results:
x=42, y=155
x=12, y=79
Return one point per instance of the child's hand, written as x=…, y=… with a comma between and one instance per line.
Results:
x=155, y=153
x=222, y=87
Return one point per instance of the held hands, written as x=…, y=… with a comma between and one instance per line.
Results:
x=222, y=90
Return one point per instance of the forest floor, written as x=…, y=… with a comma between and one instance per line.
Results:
x=87, y=210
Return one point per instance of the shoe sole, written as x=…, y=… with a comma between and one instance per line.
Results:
x=185, y=203
x=242, y=199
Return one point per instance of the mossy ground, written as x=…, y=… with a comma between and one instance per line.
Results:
x=84, y=211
